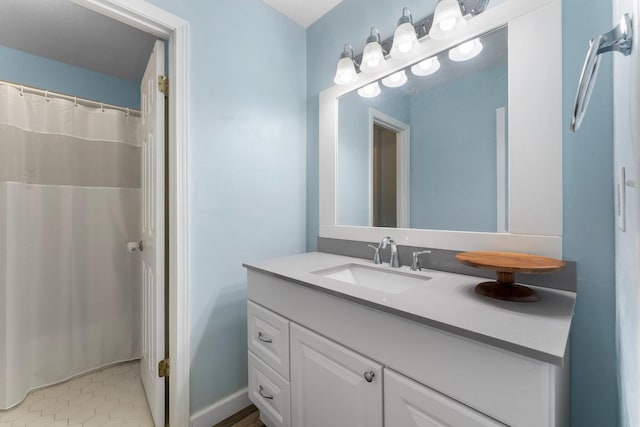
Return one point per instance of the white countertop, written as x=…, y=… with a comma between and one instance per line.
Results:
x=447, y=301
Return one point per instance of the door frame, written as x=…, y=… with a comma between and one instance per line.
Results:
x=403, y=180
x=160, y=23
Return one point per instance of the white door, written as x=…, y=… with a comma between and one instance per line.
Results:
x=153, y=350
x=332, y=385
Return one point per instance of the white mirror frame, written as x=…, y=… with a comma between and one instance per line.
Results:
x=535, y=137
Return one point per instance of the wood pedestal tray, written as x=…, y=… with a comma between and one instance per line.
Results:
x=506, y=265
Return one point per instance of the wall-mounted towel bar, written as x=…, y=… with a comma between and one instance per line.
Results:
x=618, y=39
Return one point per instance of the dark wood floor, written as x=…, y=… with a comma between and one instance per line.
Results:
x=248, y=417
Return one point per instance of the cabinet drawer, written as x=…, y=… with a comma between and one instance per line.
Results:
x=270, y=393
x=269, y=337
x=408, y=404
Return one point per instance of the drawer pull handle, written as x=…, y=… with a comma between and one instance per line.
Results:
x=369, y=375
x=263, y=338
x=266, y=396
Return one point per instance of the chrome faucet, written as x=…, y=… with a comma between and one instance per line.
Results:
x=394, y=260
x=415, y=260
x=376, y=254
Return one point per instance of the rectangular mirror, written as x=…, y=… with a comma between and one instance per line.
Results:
x=429, y=153
x=481, y=173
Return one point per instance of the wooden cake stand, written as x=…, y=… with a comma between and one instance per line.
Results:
x=506, y=265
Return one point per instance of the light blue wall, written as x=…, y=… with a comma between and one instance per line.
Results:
x=587, y=181
x=354, y=149
x=589, y=220
x=353, y=161
x=453, y=153
x=247, y=171
x=31, y=70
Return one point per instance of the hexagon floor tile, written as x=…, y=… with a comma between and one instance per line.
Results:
x=110, y=397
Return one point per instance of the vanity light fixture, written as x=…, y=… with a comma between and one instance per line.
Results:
x=373, y=56
x=370, y=91
x=466, y=50
x=405, y=39
x=405, y=43
x=346, y=69
x=426, y=67
x=447, y=20
x=396, y=79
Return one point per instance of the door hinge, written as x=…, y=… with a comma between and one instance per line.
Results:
x=163, y=368
x=163, y=85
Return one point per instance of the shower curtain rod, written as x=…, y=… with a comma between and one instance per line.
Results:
x=74, y=99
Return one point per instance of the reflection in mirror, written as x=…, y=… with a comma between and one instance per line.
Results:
x=426, y=147
x=384, y=177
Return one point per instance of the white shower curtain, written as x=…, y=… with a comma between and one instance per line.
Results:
x=69, y=202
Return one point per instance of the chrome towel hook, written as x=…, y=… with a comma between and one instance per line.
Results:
x=619, y=39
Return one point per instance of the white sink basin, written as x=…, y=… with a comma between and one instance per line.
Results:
x=376, y=278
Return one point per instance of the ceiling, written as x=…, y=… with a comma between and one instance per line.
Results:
x=68, y=33
x=304, y=13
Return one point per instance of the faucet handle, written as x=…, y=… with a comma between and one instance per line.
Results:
x=415, y=261
x=385, y=241
x=376, y=255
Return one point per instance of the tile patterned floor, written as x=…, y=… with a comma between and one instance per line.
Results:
x=111, y=397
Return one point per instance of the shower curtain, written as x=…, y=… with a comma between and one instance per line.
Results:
x=69, y=202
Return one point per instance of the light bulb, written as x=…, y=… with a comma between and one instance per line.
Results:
x=426, y=67
x=345, y=72
x=447, y=24
x=426, y=64
x=405, y=39
x=373, y=61
x=370, y=91
x=372, y=58
x=405, y=46
x=395, y=80
x=466, y=50
x=447, y=20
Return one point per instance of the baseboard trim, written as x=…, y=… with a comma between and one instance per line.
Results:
x=218, y=411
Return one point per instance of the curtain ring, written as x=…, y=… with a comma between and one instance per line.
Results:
x=21, y=90
x=46, y=95
x=75, y=101
x=127, y=112
x=102, y=107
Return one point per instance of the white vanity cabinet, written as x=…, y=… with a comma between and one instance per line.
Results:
x=332, y=360
x=332, y=385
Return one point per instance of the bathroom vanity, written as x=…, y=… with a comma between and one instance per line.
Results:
x=338, y=341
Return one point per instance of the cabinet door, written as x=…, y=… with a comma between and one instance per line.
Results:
x=332, y=385
x=409, y=404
